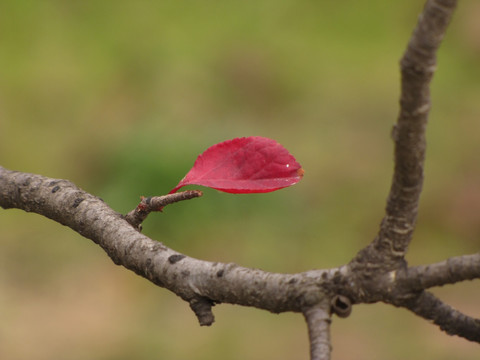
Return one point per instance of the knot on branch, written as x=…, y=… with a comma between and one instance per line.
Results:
x=202, y=307
x=341, y=305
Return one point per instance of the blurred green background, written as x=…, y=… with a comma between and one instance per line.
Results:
x=121, y=96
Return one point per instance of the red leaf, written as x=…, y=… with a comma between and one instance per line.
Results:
x=244, y=165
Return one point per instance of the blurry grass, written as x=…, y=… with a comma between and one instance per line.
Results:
x=121, y=97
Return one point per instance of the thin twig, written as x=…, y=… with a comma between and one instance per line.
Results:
x=157, y=203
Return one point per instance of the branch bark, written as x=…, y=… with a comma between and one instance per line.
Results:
x=203, y=284
x=318, y=323
x=418, y=65
x=452, y=321
x=196, y=281
x=450, y=271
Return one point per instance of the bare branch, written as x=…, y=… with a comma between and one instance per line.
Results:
x=447, y=318
x=450, y=271
x=157, y=203
x=417, y=68
x=197, y=282
x=202, y=283
x=318, y=322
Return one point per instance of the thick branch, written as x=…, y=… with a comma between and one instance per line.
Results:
x=417, y=68
x=198, y=282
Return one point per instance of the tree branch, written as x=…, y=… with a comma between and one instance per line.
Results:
x=198, y=282
x=417, y=68
x=450, y=271
x=318, y=322
x=447, y=318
